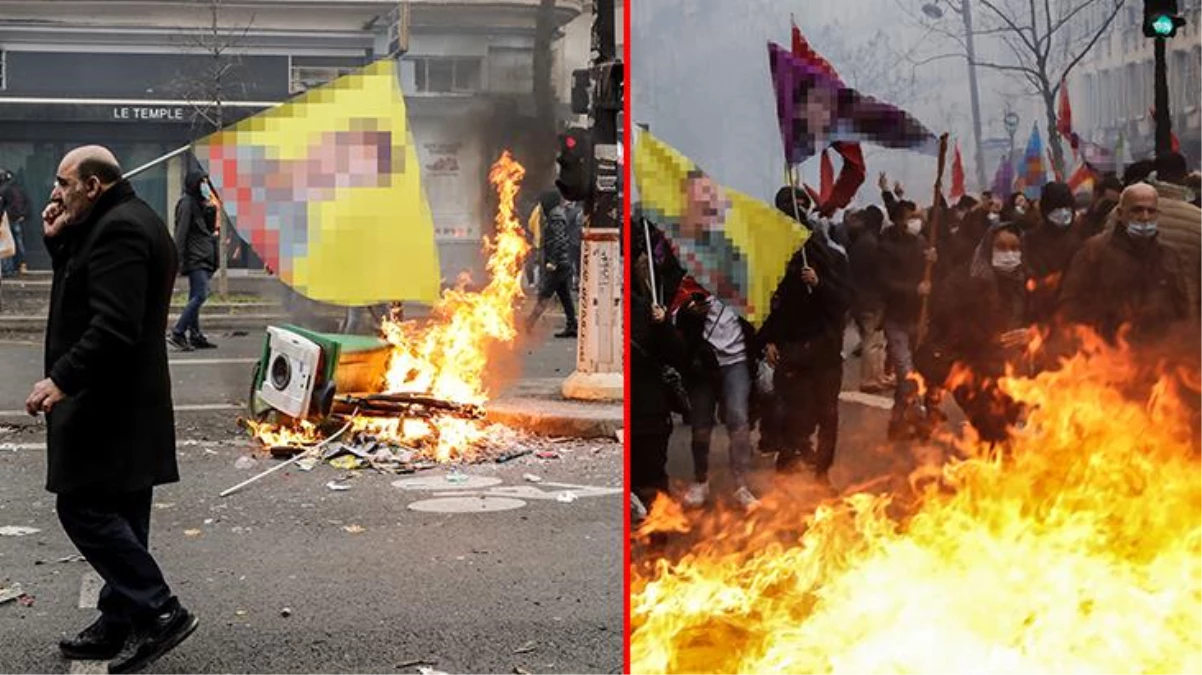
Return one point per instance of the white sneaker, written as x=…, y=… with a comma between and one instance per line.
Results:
x=746, y=498
x=697, y=494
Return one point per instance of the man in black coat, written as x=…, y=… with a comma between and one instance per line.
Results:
x=196, y=245
x=1048, y=248
x=803, y=341
x=107, y=401
x=557, y=250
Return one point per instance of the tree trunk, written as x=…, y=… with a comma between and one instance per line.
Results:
x=1049, y=104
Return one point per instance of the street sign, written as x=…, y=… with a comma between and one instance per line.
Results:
x=398, y=29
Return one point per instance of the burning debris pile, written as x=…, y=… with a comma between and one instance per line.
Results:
x=429, y=406
x=1077, y=549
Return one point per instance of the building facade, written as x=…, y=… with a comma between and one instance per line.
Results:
x=142, y=77
x=1112, y=92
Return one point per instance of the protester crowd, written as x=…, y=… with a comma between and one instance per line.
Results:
x=945, y=298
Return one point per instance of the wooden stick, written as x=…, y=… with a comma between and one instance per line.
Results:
x=932, y=237
x=797, y=216
x=307, y=453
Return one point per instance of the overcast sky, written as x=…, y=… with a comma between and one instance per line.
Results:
x=700, y=79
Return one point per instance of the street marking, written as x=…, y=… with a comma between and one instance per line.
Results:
x=466, y=505
x=186, y=443
x=870, y=400
x=187, y=407
x=89, y=589
x=210, y=362
x=89, y=667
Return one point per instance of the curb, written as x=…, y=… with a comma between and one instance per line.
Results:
x=557, y=417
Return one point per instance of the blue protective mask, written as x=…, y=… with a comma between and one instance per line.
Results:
x=205, y=191
x=1141, y=230
x=1062, y=217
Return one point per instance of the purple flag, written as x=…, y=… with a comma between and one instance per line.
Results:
x=815, y=110
x=1003, y=180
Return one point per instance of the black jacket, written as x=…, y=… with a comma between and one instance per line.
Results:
x=807, y=326
x=902, y=265
x=195, y=225
x=652, y=347
x=113, y=278
x=1048, y=250
x=864, y=259
x=557, y=232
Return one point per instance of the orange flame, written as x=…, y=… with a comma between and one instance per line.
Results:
x=447, y=356
x=1077, y=549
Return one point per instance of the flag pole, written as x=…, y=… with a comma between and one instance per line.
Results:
x=932, y=236
x=155, y=162
x=796, y=212
x=650, y=261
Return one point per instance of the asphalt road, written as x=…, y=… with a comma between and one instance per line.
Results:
x=370, y=584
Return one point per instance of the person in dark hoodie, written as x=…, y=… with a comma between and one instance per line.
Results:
x=557, y=263
x=1105, y=197
x=979, y=323
x=868, y=302
x=903, y=257
x=654, y=345
x=196, y=243
x=1048, y=248
x=803, y=340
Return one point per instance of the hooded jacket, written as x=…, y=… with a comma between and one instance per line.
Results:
x=195, y=228
x=1048, y=249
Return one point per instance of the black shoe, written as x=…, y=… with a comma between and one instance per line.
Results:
x=201, y=342
x=567, y=333
x=98, y=642
x=147, y=644
x=178, y=341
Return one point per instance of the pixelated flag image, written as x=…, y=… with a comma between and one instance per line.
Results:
x=815, y=108
x=733, y=245
x=326, y=190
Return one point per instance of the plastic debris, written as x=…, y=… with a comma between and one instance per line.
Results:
x=338, y=487
x=10, y=593
x=426, y=670
x=456, y=477
x=346, y=462
x=17, y=531
x=306, y=464
x=245, y=462
x=286, y=612
x=547, y=454
x=240, y=612
x=25, y=600
x=354, y=529
x=510, y=456
x=192, y=533
x=531, y=478
x=526, y=648
x=566, y=497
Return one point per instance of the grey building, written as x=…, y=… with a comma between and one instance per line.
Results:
x=138, y=76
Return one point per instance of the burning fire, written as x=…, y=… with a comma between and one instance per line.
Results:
x=446, y=357
x=1076, y=549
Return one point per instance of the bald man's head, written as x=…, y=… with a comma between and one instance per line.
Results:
x=1137, y=209
x=83, y=176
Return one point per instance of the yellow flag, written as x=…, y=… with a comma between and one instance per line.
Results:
x=741, y=254
x=326, y=188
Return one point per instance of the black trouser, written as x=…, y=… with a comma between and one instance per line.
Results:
x=555, y=283
x=989, y=410
x=112, y=532
x=648, y=465
x=808, y=400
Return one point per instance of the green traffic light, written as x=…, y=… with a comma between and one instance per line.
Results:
x=1163, y=26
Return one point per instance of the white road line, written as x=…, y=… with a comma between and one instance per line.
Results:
x=186, y=407
x=870, y=400
x=210, y=362
x=186, y=443
x=89, y=589
x=89, y=667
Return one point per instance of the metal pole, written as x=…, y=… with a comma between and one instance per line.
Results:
x=966, y=7
x=1164, y=137
x=155, y=162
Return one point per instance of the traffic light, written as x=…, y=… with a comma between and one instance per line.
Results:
x=1161, y=19
x=582, y=82
x=575, y=162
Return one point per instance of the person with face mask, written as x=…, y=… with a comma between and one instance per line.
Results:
x=979, y=323
x=1049, y=247
x=196, y=245
x=110, y=433
x=903, y=258
x=1126, y=275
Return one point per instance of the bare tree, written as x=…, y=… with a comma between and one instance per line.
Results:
x=209, y=86
x=1039, y=42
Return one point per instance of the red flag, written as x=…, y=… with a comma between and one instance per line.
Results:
x=851, y=177
x=957, y=175
x=1082, y=179
x=827, y=177
x=802, y=50
x=1064, y=116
